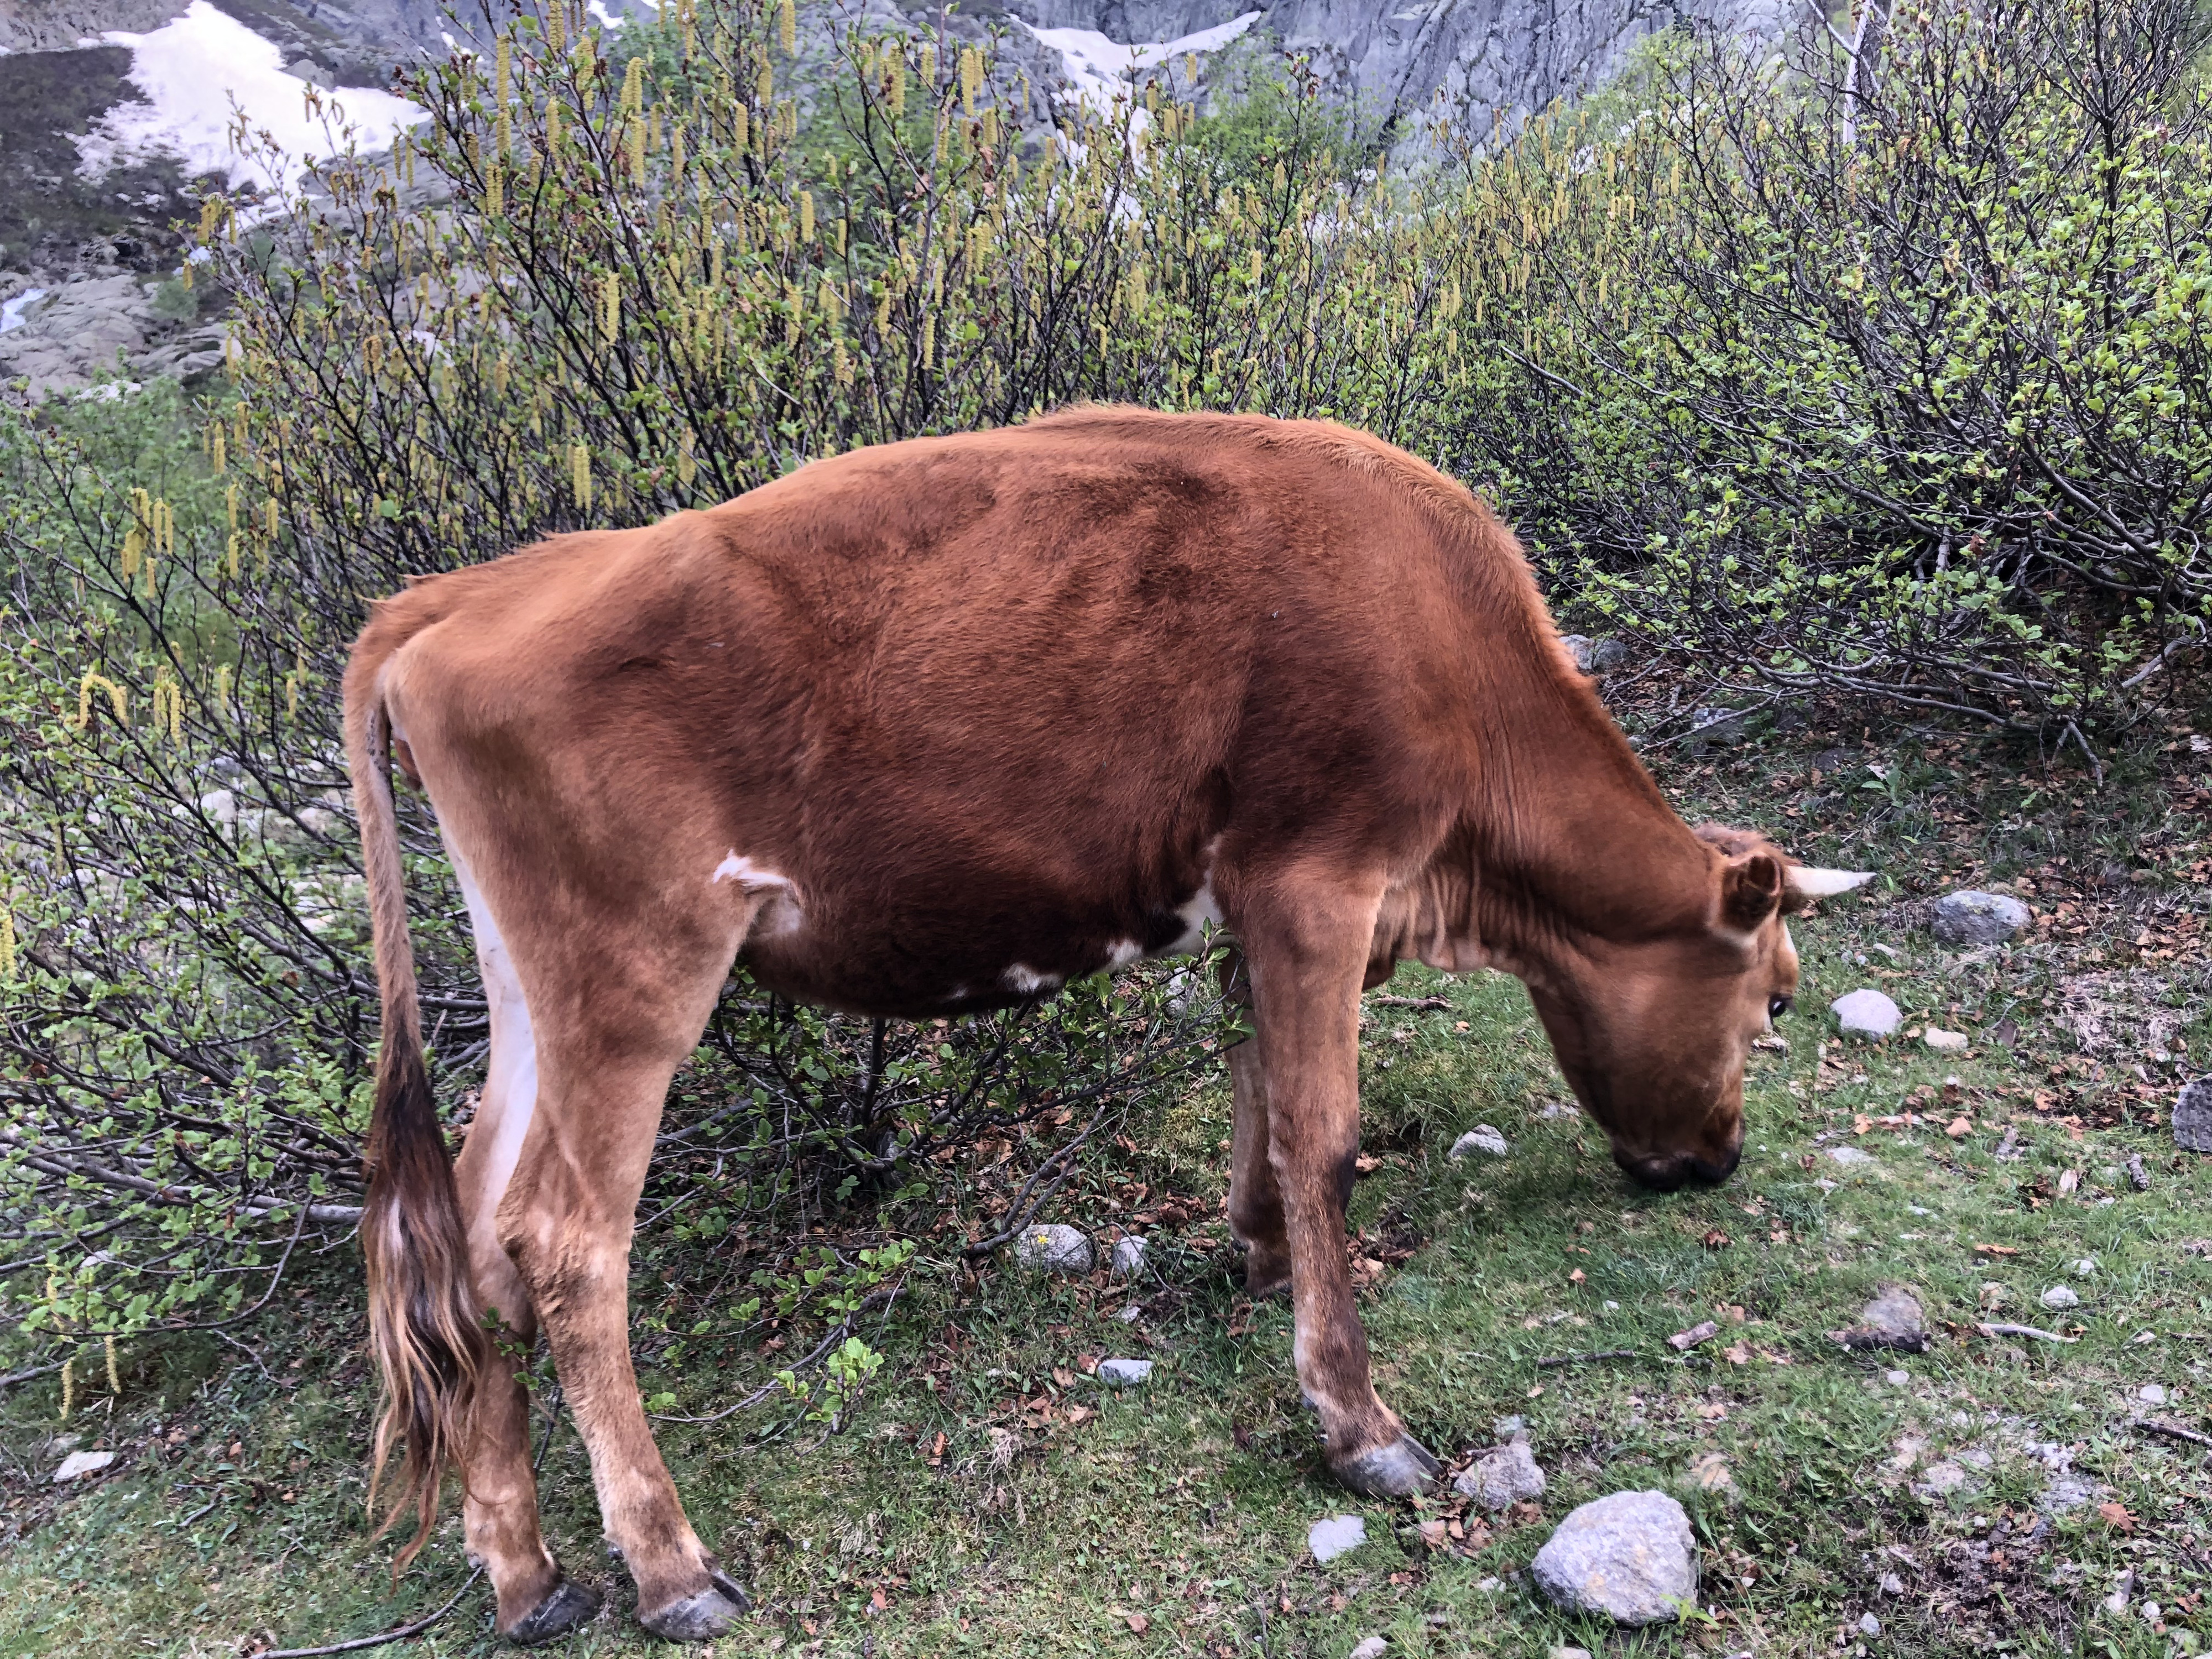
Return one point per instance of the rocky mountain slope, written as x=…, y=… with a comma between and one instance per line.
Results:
x=113, y=113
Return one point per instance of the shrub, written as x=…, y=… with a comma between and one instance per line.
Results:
x=1884, y=377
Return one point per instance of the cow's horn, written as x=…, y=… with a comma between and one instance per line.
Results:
x=1809, y=881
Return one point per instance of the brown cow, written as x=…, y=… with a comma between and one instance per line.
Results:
x=942, y=726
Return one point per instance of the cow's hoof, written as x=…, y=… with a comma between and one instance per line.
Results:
x=729, y=1586
x=566, y=1606
x=699, y=1618
x=1397, y=1470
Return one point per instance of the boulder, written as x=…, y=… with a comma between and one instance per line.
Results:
x=1969, y=917
x=1868, y=1013
x=1058, y=1247
x=1629, y=1557
x=1500, y=1478
x=2192, y=1116
x=1481, y=1139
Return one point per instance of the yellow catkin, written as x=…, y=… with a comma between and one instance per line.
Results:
x=632, y=98
x=94, y=679
x=786, y=27
x=806, y=215
x=218, y=452
x=610, y=306
x=929, y=66
x=637, y=151
x=221, y=685
x=7, y=946
x=840, y=364
x=687, y=463
x=765, y=87
x=579, y=475
x=928, y=340
x=895, y=89
x=740, y=124
x=69, y=1388
x=268, y=515
x=114, y=1372
x=556, y=26
x=502, y=65
x=552, y=127
x=971, y=79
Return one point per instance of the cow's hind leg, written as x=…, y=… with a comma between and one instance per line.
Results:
x=1255, y=1202
x=1307, y=944
x=613, y=1026
x=499, y=1504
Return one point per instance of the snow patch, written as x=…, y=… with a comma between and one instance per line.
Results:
x=1100, y=68
x=192, y=70
x=11, y=313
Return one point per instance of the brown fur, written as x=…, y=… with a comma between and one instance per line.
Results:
x=917, y=729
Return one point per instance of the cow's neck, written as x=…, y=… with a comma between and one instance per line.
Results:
x=1565, y=843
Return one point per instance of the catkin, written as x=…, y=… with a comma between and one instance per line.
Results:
x=786, y=27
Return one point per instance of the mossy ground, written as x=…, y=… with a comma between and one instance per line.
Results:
x=986, y=1496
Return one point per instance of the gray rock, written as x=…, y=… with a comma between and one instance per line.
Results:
x=1369, y=1647
x=78, y=1464
x=1568, y=1653
x=1946, y=1042
x=1333, y=1534
x=1867, y=1014
x=1870, y=1625
x=221, y=805
x=1129, y=1256
x=2060, y=1296
x=1509, y=1428
x=1629, y=1557
x=1058, y=1247
x=2067, y=1491
x=1498, y=1479
x=1939, y=1480
x=1594, y=656
x=2192, y=1116
x=1124, y=1373
x=2151, y=1393
x=1849, y=1157
x=2138, y=1176
x=1892, y=1320
x=1891, y=1585
x=1968, y=917
x=1481, y=1139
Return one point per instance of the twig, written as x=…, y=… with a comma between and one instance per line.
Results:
x=2024, y=1330
x=1438, y=1005
x=2159, y=1425
x=1558, y=1360
x=30, y=1371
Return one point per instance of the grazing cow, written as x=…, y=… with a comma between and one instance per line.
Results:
x=939, y=726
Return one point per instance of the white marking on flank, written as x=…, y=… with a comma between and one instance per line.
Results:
x=1028, y=980
x=1123, y=952
x=1197, y=911
x=510, y=1091
x=746, y=873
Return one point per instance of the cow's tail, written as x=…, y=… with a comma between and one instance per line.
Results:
x=422, y=1319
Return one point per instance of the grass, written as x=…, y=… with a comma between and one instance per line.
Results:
x=988, y=1496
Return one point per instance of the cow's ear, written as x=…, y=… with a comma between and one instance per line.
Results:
x=1807, y=882
x=1751, y=890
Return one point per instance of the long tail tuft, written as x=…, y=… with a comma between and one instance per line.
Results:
x=422, y=1320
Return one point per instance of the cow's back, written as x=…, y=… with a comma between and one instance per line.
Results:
x=999, y=698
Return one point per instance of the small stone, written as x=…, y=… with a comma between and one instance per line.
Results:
x=1868, y=1013
x=1509, y=1428
x=1710, y=1472
x=2060, y=1296
x=1056, y=1248
x=221, y=805
x=1568, y=1653
x=1481, y=1139
x=1717, y=724
x=1941, y=1480
x=1897, y=1379
x=1629, y=1556
x=2068, y=1491
x=2151, y=1394
x=1943, y=1042
x=1130, y=1315
x=2150, y=1613
x=1333, y=1535
x=1128, y=1256
x=1849, y=1157
x=1371, y=1647
x=1555, y=1110
x=2192, y=1116
x=1124, y=1373
x=2138, y=1177
x=1686, y=1341
x=78, y=1464
x=1892, y=1320
x=1868, y=1625
x=1500, y=1478
x=2084, y=1265
x=1891, y=1585
x=1975, y=918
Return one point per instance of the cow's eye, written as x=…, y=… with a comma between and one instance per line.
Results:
x=1777, y=1007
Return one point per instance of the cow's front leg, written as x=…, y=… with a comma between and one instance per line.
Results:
x=1307, y=945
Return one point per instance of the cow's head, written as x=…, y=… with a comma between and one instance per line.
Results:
x=1653, y=1032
